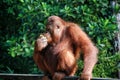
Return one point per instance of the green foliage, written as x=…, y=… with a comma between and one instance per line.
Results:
x=23, y=20
x=107, y=66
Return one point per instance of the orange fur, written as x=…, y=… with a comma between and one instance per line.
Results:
x=65, y=42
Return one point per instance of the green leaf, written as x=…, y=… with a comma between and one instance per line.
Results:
x=13, y=54
x=27, y=50
x=21, y=1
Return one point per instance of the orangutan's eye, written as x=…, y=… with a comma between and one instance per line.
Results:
x=58, y=26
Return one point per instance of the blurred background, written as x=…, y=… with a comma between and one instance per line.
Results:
x=21, y=21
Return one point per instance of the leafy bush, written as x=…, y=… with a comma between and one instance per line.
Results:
x=23, y=20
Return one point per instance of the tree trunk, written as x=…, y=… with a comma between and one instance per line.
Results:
x=118, y=34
